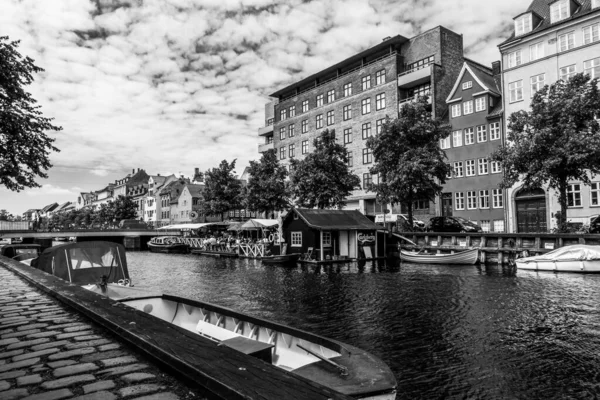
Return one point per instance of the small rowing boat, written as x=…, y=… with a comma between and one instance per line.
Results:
x=282, y=259
x=464, y=257
x=575, y=258
x=168, y=244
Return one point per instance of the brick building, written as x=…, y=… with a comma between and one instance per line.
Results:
x=353, y=97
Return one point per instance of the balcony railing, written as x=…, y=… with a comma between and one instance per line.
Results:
x=265, y=146
x=265, y=130
x=415, y=76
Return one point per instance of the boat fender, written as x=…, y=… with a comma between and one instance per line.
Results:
x=124, y=282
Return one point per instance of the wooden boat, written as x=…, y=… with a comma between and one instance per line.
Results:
x=102, y=268
x=575, y=258
x=21, y=252
x=282, y=259
x=168, y=244
x=464, y=257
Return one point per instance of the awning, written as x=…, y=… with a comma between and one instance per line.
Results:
x=188, y=226
x=259, y=223
x=235, y=226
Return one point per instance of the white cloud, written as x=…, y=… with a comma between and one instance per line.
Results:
x=50, y=190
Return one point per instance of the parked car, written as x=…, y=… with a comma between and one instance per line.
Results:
x=595, y=224
x=420, y=225
x=132, y=224
x=452, y=224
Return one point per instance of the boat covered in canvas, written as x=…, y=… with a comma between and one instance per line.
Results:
x=102, y=267
x=168, y=244
x=574, y=258
x=463, y=257
x=21, y=252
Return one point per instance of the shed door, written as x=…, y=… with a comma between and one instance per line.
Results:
x=352, y=245
x=344, y=243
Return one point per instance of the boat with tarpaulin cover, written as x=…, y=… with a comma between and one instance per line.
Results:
x=574, y=258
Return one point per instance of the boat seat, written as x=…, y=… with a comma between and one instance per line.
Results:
x=215, y=332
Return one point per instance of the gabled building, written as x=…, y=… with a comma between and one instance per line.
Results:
x=475, y=114
x=31, y=215
x=152, y=204
x=103, y=196
x=47, y=211
x=64, y=208
x=85, y=199
x=188, y=204
x=552, y=40
x=169, y=197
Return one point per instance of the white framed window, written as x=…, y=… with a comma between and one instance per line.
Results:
x=536, y=51
x=445, y=143
x=497, y=199
x=496, y=167
x=305, y=106
x=480, y=104
x=567, y=72
x=537, y=82
x=481, y=134
x=495, y=131
x=591, y=34
x=456, y=138
x=320, y=98
x=331, y=96
x=348, y=89
x=482, y=164
x=380, y=77
x=592, y=68
x=523, y=24
x=574, y=195
x=559, y=11
x=595, y=194
x=296, y=239
x=498, y=225
x=468, y=107
x=515, y=90
x=471, y=200
x=459, y=201
x=566, y=41
x=458, y=169
x=470, y=167
x=469, y=136
x=456, y=110
x=327, y=239
x=484, y=198
x=485, y=225
x=467, y=85
x=515, y=58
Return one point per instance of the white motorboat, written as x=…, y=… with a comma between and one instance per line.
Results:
x=574, y=258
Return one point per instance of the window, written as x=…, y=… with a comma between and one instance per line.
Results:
x=380, y=77
x=484, y=199
x=380, y=101
x=595, y=194
x=367, y=156
x=566, y=41
x=283, y=114
x=319, y=121
x=330, y=117
x=326, y=238
x=331, y=96
x=496, y=167
x=495, y=131
x=480, y=104
x=347, y=135
x=296, y=239
x=456, y=138
x=567, y=72
x=536, y=51
x=497, y=200
x=515, y=90
x=470, y=167
x=456, y=110
x=485, y=225
x=467, y=85
x=282, y=153
x=445, y=143
x=367, y=181
x=421, y=90
x=591, y=34
x=366, y=106
x=468, y=107
x=498, y=225
x=304, y=126
x=537, y=82
x=350, y=158
x=559, y=11
x=320, y=100
x=292, y=150
x=366, y=130
x=291, y=130
x=419, y=64
x=379, y=126
x=366, y=82
x=574, y=195
x=523, y=24
x=458, y=169
x=348, y=89
x=282, y=133
x=592, y=68
x=483, y=166
x=347, y=110
x=481, y=134
x=515, y=58
x=305, y=106
x=459, y=200
x=304, y=146
x=471, y=200
x=469, y=136
x=292, y=111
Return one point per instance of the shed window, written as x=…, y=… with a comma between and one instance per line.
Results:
x=297, y=239
x=327, y=239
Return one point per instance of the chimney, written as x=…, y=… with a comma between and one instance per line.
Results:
x=157, y=174
x=133, y=171
x=138, y=170
x=496, y=68
x=196, y=170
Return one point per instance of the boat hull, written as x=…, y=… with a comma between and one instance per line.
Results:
x=469, y=257
x=574, y=258
x=561, y=266
x=276, y=260
x=179, y=248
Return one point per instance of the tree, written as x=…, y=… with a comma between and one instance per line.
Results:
x=24, y=146
x=124, y=208
x=557, y=141
x=322, y=179
x=266, y=190
x=408, y=160
x=222, y=190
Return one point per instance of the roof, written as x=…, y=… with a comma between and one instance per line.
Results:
x=195, y=189
x=497, y=111
x=63, y=206
x=482, y=74
x=334, y=220
x=49, y=207
x=542, y=9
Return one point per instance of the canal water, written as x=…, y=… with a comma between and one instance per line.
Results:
x=447, y=332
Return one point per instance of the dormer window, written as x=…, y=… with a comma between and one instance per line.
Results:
x=559, y=10
x=523, y=24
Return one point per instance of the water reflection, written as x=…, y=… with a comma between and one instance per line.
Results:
x=446, y=331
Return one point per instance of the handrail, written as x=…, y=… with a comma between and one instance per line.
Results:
x=409, y=71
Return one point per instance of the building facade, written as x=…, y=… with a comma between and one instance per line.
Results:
x=552, y=40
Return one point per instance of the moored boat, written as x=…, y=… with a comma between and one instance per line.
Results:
x=463, y=257
x=282, y=259
x=168, y=244
x=575, y=258
x=21, y=252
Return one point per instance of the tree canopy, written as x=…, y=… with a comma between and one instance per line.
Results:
x=266, y=190
x=407, y=157
x=222, y=190
x=557, y=141
x=322, y=179
x=24, y=145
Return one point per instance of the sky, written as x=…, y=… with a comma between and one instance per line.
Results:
x=173, y=85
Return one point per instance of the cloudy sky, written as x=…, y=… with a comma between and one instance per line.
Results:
x=170, y=85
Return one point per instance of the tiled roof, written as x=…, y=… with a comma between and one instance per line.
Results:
x=49, y=207
x=195, y=189
x=497, y=111
x=335, y=219
x=485, y=75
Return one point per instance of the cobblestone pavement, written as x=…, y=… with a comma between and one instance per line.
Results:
x=48, y=352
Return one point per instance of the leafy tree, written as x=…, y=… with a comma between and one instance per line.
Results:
x=408, y=160
x=266, y=190
x=222, y=190
x=124, y=208
x=24, y=146
x=322, y=179
x=557, y=141
x=4, y=215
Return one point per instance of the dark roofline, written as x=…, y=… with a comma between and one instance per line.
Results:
x=332, y=227
x=528, y=12
x=480, y=65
